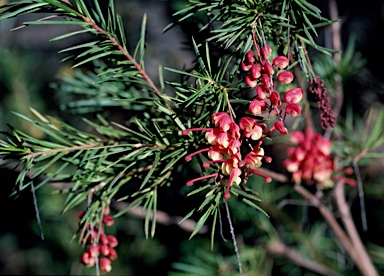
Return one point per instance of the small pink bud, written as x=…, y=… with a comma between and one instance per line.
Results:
x=246, y=66
x=105, y=264
x=279, y=126
x=275, y=98
x=250, y=81
x=266, y=52
x=265, y=80
x=257, y=106
x=285, y=77
x=293, y=95
x=293, y=109
x=250, y=56
x=255, y=71
x=104, y=249
x=280, y=62
x=103, y=239
x=112, y=254
x=108, y=220
x=112, y=241
x=261, y=92
x=268, y=69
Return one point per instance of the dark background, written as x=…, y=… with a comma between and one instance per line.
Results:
x=29, y=64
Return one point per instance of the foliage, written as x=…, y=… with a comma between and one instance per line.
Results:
x=140, y=132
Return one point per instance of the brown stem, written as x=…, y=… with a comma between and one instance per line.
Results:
x=350, y=227
x=336, y=45
x=336, y=228
x=280, y=249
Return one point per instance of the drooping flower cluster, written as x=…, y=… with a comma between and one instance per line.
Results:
x=310, y=161
x=327, y=117
x=264, y=77
x=226, y=139
x=100, y=247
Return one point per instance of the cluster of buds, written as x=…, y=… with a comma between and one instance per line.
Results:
x=100, y=247
x=327, y=117
x=310, y=161
x=226, y=139
x=264, y=76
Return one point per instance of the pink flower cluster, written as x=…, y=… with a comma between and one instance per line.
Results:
x=101, y=248
x=310, y=161
x=226, y=139
x=264, y=76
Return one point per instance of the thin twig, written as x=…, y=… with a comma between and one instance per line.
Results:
x=233, y=237
x=365, y=263
x=280, y=249
x=37, y=210
x=361, y=196
x=221, y=226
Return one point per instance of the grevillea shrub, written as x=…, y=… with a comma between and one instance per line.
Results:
x=209, y=131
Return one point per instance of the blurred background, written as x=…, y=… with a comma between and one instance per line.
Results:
x=30, y=64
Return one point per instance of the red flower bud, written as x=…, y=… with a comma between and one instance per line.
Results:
x=250, y=56
x=293, y=95
x=265, y=80
x=250, y=81
x=266, y=52
x=104, y=249
x=280, y=62
x=293, y=109
x=285, y=77
x=112, y=254
x=275, y=98
x=108, y=220
x=257, y=106
x=112, y=240
x=279, y=126
x=261, y=92
x=105, y=264
x=268, y=69
x=255, y=71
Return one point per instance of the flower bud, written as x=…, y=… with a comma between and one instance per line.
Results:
x=293, y=109
x=293, y=95
x=266, y=52
x=280, y=62
x=261, y=92
x=250, y=81
x=257, y=106
x=268, y=69
x=105, y=264
x=108, y=220
x=265, y=80
x=285, y=77
x=275, y=98
x=250, y=56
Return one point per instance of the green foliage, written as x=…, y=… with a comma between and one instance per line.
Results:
x=136, y=155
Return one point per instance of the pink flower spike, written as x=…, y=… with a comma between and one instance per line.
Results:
x=293, y=109
x=293, y=95
x=189, y=156
x=190, y=182
x=275, y=98
x=280, y=62
x=285, y=77
x=257, y=106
